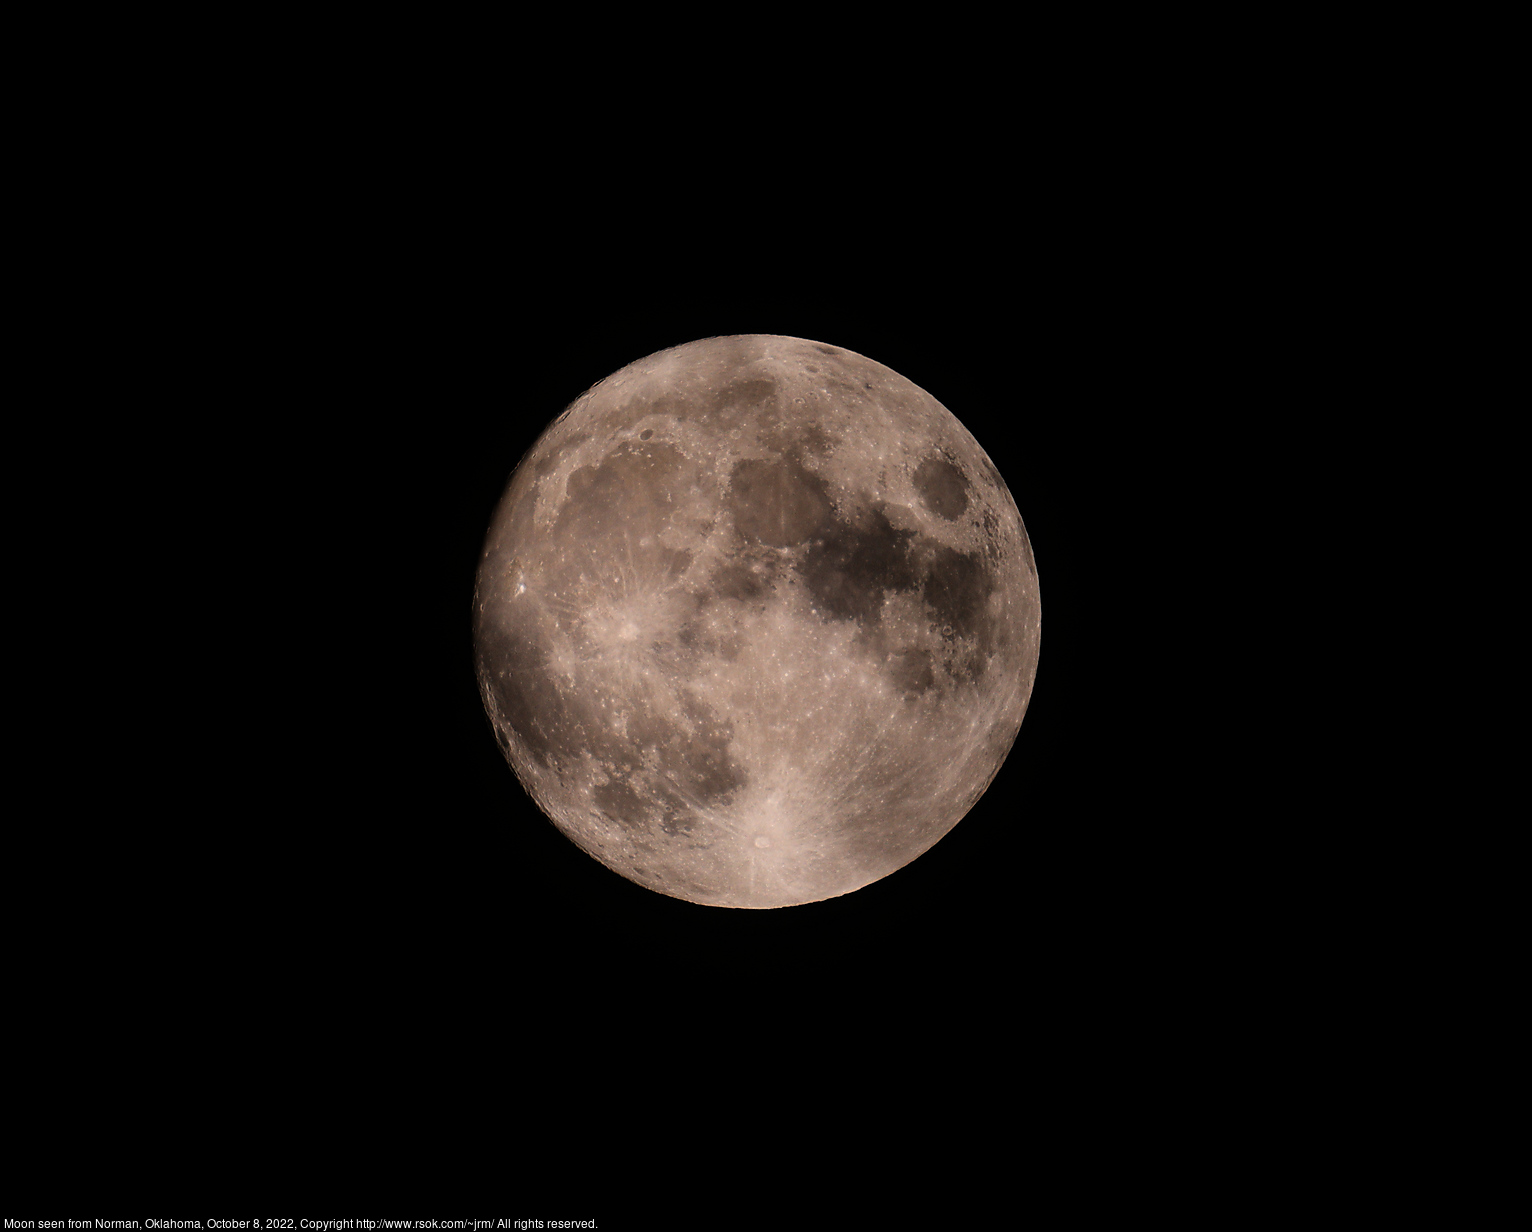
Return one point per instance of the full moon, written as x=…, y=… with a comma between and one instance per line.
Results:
x=756, y=621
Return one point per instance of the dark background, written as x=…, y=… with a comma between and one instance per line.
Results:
x=303, y=358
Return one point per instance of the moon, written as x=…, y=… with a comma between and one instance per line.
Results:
x=756, y=621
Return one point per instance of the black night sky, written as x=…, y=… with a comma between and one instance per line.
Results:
x=286, y=849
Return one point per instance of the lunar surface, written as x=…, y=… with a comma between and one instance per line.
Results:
x=756, y=621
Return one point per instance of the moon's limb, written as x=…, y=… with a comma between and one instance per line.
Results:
x=756, y=621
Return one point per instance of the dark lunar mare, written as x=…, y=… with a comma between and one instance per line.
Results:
x=624, y=496
x=957, y=587
x=850, y=567
x=776, y=501
x=911, y=671
x=943, y=488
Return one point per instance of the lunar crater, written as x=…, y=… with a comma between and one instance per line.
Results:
x=943, y=487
